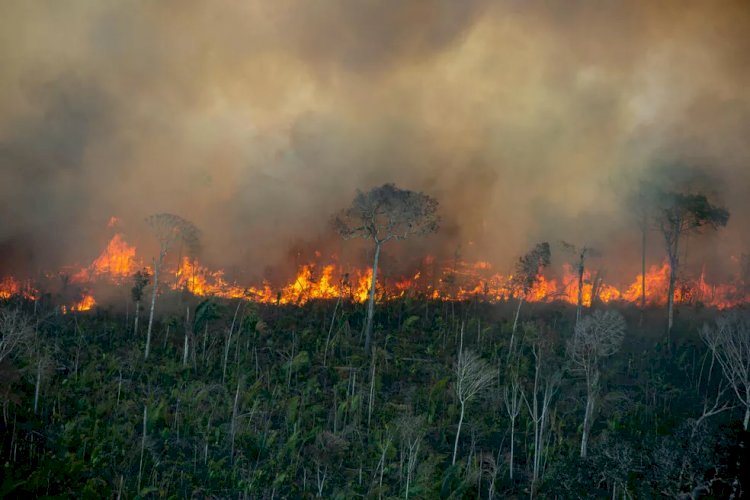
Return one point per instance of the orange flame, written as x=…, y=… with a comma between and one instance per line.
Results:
x=116, y=262
x=453, y=280
x=85, y=304
x=10, y=287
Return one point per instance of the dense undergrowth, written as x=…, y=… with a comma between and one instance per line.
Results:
x=290, y=406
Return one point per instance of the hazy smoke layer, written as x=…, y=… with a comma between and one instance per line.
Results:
x=258, y=119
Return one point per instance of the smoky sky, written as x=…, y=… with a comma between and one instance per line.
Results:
x=257, y=120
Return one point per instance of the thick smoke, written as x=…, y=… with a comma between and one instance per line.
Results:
x=257, y=120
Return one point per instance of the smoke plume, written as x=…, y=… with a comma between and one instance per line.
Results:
x=257, y=120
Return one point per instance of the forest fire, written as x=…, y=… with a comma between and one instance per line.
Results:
x=117, y=262
x=10, y=287
x=455, y=280
x=85, y=304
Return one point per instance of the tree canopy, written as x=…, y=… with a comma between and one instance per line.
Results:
x=386, y=213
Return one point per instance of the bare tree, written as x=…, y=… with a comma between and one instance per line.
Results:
x=411, y=430
x=538, y=403
x=641, y=203
x=473, y=375
x=382, y=214
x=512, y=401
x=44, y=365
x=15, y=331
x=729, y=342
x=595, y=337
x=169, y=229
x=526, y=276
x=326, y=453
x=582, y=253
x=680, y=215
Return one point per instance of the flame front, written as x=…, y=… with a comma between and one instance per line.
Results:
x=456, y=280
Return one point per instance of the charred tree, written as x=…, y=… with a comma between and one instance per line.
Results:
x=581, y=253
x=382, y=214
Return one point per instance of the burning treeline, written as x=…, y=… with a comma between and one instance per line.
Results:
x=324, y=277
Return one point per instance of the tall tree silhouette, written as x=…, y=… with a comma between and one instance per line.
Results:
x=382, y=214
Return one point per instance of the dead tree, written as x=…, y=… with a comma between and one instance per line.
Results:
x=729, y=342
x=169, y=229
x=411, y=429
x=473, y=375
x=582, y=253
x=595, y=337
x=382, y=214
x=539, y=404
x=512, y=401
x=678, y=216
x=641, y=204
x=528, y=269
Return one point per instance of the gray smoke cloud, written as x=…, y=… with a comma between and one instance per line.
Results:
x=257, y=120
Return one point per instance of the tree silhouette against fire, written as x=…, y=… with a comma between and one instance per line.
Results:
x=382, y=214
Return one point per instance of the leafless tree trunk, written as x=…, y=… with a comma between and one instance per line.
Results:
x=595, y=337
x=233, y=423
x=229, y=343
x=592, y=393
x=579, y=305
x=321, y=480
x=330, y=330
x=515, y=326
x=674, y=262
x=729, y=342
x=186, y=347
x=382, y=214
x=512, y=400
x=371, y=403
x=169, y=228
x=644, y=230
x=684, y=213
x=137, y=315
x=143, y=446
x=411, y=430
x=371, y=301
x=472, y=376
x=157, y=268
x=38, y=383
x=542, y=393
x=384, y=446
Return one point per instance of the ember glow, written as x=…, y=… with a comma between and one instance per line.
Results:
x=457, y=280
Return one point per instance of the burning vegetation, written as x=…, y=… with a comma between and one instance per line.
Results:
x=452, y=280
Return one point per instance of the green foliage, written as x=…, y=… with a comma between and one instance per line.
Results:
x=296, y=426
